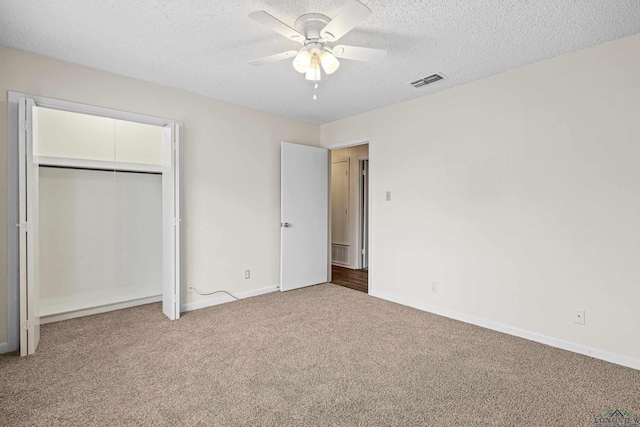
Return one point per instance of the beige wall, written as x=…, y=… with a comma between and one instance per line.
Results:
x=231, y=167
x=521, y=197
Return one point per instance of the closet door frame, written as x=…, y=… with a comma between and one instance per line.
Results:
x=171, y=171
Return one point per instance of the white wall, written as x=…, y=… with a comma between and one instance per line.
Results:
x=520, y=197
x=231, y=168
x=353, y=155
x=100, y=238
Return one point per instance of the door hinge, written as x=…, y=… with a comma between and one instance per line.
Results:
x=24, y=226
x=24, y=125
x=27, y=325
x=362, y=251
x=176, y=221
x=364, y=172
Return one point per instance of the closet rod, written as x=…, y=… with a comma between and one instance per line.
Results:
x=99, y=169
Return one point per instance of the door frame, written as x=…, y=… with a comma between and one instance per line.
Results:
x=352, y=143
x=13, y=194
x=363, y=217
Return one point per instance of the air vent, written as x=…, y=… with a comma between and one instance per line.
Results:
x=340, y=254
x=427, y=80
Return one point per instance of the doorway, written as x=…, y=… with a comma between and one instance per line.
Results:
x=350, y=217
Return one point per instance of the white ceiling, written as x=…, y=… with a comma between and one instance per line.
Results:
x=203, y=46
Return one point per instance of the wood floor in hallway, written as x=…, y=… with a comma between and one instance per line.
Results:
x=353, y=279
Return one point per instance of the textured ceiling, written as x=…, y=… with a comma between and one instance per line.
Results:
x=203, y=46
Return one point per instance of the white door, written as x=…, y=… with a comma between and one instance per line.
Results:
x=29, y=254
x=171, y=223
x=304, y=216
x=340, y=204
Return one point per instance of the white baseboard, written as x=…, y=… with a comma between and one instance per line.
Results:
x=100, y=309
x=223, y=298
x=4, y=347
x=95, y=298
x=618, y=359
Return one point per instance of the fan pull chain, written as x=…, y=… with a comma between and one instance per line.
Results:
x=315, y=88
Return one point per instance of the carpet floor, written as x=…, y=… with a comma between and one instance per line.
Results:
x=319, y=356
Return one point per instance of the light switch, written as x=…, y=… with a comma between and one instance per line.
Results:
x=388, y=196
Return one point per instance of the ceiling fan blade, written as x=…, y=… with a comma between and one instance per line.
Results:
x=351, y=15
x=355, y=53
x=276, y=25
x=274, y=58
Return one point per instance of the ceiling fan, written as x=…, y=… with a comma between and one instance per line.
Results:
x=315, y=31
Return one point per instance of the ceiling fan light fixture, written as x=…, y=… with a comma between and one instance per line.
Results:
x=329, y=62
x=314, y=73
x=302, y=61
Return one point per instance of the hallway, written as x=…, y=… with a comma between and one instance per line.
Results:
x=353, y=279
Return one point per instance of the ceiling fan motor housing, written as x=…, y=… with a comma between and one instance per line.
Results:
x=311, y=24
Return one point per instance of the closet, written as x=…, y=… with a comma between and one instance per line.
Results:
x=100, y=230
x=99, y=211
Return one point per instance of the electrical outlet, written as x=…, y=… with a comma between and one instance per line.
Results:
x=434, y=286
x=190, y=287
x=247, y=274
x=578, y=317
